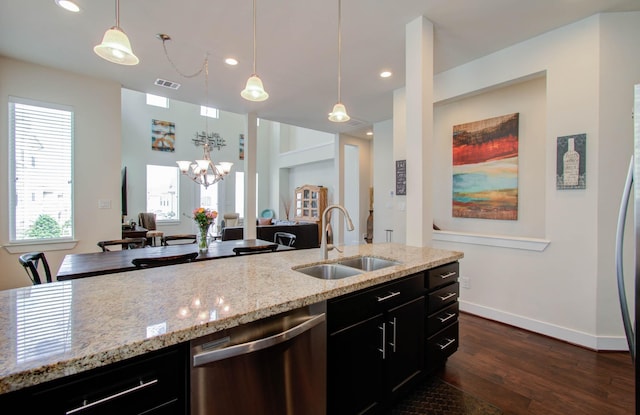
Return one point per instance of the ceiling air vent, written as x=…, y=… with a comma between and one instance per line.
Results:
x=353, y=122
x=167, y=84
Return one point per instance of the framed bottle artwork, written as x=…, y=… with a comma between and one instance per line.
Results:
x=571, y=162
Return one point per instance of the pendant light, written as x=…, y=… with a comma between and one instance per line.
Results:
x=339, y=113
x=254, y=91
x=115, y=46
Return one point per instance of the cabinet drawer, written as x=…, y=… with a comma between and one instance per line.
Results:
x=445, y=274
x=155, y=384
x=442, y=296
x=442, y=318
x=441, y=345
x=352, y=308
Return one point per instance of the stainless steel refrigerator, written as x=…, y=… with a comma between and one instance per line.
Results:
x=630, y=317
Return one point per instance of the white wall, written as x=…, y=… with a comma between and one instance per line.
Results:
x=137, y=152
x=566, y=290
x=528, y=98
x=357, y=204
x=96, y=104
x=383, y=181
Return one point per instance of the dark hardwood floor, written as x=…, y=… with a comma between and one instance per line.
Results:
x=526, y=373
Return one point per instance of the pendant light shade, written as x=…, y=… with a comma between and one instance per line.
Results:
x=254, y=90
x=339, y=113
x=115, y=46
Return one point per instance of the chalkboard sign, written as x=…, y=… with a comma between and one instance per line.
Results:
x=401, y=177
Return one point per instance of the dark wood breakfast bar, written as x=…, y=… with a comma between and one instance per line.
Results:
x=98, y=263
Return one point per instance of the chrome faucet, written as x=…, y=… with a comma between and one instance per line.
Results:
x=324, y=248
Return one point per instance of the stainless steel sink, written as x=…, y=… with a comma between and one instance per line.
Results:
x=329, y=271
x=368, y=263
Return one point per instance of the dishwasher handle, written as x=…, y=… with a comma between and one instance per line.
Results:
x=201, y=359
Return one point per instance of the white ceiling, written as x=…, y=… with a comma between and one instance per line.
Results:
x=296, y=46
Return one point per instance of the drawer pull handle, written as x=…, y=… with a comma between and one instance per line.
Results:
x=384, y=340
x=448, y=317
x=393, y=342
x=386, y=297
x=447, y=344
x=447, y=275
x=86, y=405
x=446, y=297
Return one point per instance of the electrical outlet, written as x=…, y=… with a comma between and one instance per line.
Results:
x=465, y=282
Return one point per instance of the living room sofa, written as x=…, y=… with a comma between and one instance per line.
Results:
x=306, y=233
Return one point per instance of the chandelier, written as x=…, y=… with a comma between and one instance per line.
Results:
x=203, y=171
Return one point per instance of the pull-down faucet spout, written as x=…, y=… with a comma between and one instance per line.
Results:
x=324, y=248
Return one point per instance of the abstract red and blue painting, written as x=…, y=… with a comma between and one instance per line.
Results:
x=485, y=168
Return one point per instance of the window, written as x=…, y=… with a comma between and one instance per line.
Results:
x=209, y=197
x=163, y=193
x=209, y=112
x=157, y=101
x=41, y=139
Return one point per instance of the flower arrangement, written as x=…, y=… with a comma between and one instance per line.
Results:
x=204, y=218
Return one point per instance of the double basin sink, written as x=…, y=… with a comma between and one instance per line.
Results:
x=346, y=267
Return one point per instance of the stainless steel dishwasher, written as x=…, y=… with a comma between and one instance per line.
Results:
x=273, y=366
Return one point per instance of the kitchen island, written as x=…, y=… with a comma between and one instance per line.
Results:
x=93, y=322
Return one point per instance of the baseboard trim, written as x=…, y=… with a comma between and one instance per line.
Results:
x=589, y=341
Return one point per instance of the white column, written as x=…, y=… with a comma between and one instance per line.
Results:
x=250, y=169
x=419, y=140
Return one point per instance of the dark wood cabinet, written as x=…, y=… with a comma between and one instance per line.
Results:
x=441, y=328
x=155, y=383
x=355, y=369
x=375, y=346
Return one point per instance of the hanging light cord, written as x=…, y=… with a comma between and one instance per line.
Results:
x=254, y=37
x=118, y=14
x=339, y=46
x=164, y=38
x=206, y=88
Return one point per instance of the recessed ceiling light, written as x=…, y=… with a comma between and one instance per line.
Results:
x=385, y=74
x=68, y=5
x=231, y=61
x=369, y=132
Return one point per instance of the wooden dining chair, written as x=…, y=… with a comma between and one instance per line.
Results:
x=284, y=238
x=31, y=262
x=180, y=239
x=125, y=243
x=164, y=260
x=248, y=250
x=148, y=221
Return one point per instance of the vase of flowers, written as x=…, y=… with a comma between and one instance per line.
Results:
x=204, y=219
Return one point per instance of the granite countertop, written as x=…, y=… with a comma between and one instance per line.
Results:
x=53, y=330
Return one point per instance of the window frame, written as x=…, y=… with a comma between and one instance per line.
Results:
x=15, y=244
x=176, y=218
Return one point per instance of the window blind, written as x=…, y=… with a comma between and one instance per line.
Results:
x=41, y=137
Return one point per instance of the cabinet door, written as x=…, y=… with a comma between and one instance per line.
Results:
x=355, y=368
x=405, y=343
